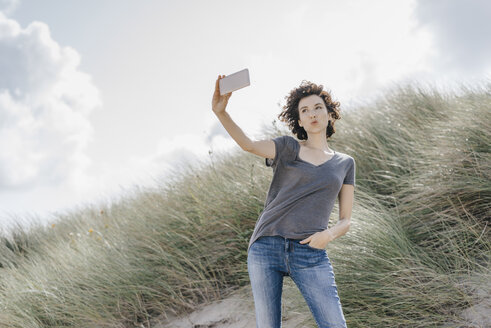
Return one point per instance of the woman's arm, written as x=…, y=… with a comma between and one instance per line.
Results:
x=264, y=148
x=218, y=104
x=346, y=198
x=322, y=238
x=234, y=130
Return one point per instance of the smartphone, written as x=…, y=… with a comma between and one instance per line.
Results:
x=235, y=81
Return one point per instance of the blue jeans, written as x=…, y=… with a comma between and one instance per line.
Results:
x=270, y=258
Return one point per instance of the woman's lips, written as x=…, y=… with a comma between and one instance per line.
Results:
x=315, y=122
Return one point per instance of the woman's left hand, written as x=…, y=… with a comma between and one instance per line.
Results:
x=319, y=239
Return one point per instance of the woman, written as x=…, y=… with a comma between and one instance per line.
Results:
x=291, y=234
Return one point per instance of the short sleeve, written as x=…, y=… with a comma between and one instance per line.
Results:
x=281, y=144
x=350, y=173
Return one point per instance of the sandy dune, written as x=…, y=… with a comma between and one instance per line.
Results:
x=237, y=311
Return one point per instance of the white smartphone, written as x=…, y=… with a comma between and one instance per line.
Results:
x=235, y=81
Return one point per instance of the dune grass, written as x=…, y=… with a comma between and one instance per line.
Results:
x=416, y=253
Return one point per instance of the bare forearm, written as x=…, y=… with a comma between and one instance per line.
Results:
x=234, y=130
x=339, y=229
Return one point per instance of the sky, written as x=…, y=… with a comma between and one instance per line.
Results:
x=97, y=97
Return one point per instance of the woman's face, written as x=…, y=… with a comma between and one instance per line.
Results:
x=312, y=113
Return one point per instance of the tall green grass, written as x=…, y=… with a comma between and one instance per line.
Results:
x=417, y=250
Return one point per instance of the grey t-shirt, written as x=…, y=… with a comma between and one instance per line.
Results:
x=301, y=195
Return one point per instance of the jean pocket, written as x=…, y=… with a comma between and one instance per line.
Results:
x=315, y=248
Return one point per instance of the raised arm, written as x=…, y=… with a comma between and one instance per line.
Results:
x=263, y=148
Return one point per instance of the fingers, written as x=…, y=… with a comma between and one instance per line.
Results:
x=217, y=82
x=217, y=86
x=306, y=240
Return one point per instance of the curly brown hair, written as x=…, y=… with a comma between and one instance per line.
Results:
x=290, y=113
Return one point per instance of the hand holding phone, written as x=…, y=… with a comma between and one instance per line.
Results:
x=224, y=87
x=235, y=81
x=219, y=102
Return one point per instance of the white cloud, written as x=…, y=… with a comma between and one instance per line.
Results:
x=44, y=106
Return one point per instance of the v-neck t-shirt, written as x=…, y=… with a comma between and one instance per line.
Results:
x=301, y=195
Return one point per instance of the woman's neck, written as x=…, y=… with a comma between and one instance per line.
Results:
x=317, y=141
